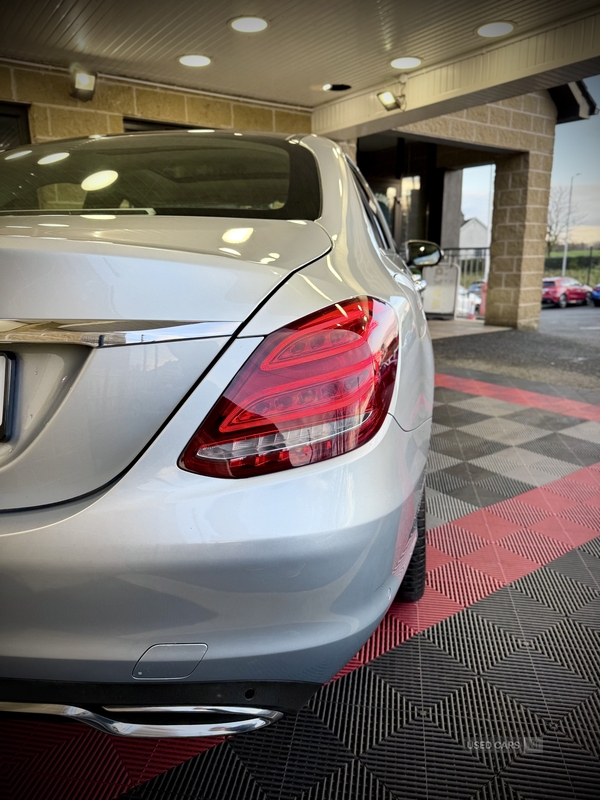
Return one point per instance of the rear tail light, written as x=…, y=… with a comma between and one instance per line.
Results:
x=313, y=390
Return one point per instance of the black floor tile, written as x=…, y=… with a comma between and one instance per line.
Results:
x=516, y=613
x=573, y=645
x=455, y=417
x=471, y=473
x=497, y=789
x=463, y=445
x=487, y=722
x=421, y=671
x=547, y=420
x=421, y=762
x=561, y=771
x=565, y=448
x=353, y=781
x=361, y=709
x=472, y=640
x=589, y=615
x=443, y=395
x=582, y=724
x=478, y=495
x=441, y=481
x=505, y=487
x=539, y=684
x=279, y=756
x=580, y=566
x=592, y=547
x=556, y=590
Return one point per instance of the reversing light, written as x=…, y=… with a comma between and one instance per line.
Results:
x=316, y=389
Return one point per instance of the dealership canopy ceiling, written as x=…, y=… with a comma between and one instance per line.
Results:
x=307, y=45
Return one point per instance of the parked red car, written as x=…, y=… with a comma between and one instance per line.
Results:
x=563, y=291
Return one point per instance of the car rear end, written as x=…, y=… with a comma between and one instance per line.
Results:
x=551, y=291
x=210, y=471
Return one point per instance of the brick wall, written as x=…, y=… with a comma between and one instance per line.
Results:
x=54, y=114
x=521, y=195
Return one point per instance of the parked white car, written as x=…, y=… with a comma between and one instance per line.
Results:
x=217, y=397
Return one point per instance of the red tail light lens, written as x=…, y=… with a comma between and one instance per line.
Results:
x=311, y=391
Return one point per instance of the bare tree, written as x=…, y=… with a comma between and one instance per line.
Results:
x=558, y=209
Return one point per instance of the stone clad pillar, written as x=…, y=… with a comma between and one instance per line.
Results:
x=521, y=196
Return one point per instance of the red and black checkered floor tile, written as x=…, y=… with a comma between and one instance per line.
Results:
x=489, y=687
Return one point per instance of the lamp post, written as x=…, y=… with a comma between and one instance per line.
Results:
x=564, y=261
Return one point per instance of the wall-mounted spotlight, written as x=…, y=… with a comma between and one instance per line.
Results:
x=388, y=100
x=83, y=83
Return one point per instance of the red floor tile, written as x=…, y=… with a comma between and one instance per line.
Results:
x=535, y=546
x=431, y=609
x=584, y=515
x=391, y=632
x=588, y=476
x=574, y=490
x=522, y=514
x=501, y=564
x=565, y=530
x=455, y=541
x=547, y=501
x=462, y=583
x=487, y=525
x=435, y=558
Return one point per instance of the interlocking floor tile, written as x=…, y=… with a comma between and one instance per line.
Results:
x=454, y=541
x=557, y=527
x=505, y=431
x=455, y=417
x=548, y=501
x=445, y=508
x=472, y=640
x=464, y=446
x=505, y=486
x=216, y=775
x=421, y=762
x=479, y=712
x=477, y=495
x=430, y=609
x=589, y=615
x=490, y=406
x=517, y=613
x=390, y=632
x=573, y=645
x=277, y=756
x=489, y=525
x=441, y=481
x=565, y=448
x=556, y=591
x=469, y=472
x=539, y=683
x=588, y=431
x=497, y=789
x=462, y=583
x=421, y=671
x=437, y=461
x=535, y=546
x=581, y=724
x=361, y=708
x=351, y=782
x=592, y=547
x=437, y=428
x=580, y=566
x=519, y=512
x=443, y=395
x=499, y=563
x=545, y=419
x=561, y=771
x=434, y=558
x=572, y=488
x=584, y=515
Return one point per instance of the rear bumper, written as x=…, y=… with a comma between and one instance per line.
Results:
x=283, y=583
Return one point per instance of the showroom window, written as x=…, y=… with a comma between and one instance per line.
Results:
x=14, y=126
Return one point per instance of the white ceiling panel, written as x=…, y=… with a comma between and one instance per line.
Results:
x=306, y=44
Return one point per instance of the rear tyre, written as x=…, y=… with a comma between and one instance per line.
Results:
x=413, y=586
x=589, y=300
x=562, y=301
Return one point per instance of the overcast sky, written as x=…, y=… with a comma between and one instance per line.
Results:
x=576, y=149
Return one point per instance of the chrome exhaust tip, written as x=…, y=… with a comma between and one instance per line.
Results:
x=129, y=720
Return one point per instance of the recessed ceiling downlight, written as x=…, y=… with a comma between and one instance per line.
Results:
x=194, y=61
x=408, y=62
x=336, y=87
x=248, y=24
x=493, y=29
x=99, y=180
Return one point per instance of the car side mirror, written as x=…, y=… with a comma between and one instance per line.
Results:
x=422, y=254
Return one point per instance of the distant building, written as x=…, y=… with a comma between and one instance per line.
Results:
x=473, y=234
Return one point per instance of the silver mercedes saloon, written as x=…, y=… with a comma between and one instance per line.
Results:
x=216, y=386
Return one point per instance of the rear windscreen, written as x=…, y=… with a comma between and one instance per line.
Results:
x=548, y=283
x=184, y=173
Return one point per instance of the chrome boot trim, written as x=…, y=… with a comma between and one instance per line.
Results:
x=256, y=718
x=109, y=333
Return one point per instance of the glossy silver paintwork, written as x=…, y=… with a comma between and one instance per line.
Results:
x=254, y=719
x=283, y=576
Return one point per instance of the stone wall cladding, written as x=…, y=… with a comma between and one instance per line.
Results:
x=54, y=114
x=524, y=125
